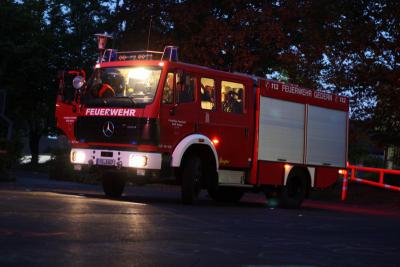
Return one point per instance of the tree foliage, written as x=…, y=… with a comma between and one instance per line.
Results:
x=348, y=47
x=40, y=37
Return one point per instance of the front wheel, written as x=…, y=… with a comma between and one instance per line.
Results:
x=113, y=184
x=191, y=177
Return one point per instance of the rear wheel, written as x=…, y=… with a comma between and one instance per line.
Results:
x=191, y=177
x=294, y=192
x=113, y=184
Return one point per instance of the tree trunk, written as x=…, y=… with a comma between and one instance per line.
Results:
x=34, y=139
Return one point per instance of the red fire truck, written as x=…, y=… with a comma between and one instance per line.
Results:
x=145, y=113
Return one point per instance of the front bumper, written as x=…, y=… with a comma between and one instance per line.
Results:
x=116, y=158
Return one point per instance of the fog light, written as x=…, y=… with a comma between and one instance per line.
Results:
x=78, y=157
x=137, y=161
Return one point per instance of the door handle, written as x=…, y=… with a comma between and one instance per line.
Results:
x=172, y=110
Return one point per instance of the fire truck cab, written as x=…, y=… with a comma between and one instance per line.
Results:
x=145, y=113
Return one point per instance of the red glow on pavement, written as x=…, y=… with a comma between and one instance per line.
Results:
x=349, y=209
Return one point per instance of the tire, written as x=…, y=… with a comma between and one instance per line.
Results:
x=191, y=176
x=226, y=194
x=113, y=184
x=294, y=192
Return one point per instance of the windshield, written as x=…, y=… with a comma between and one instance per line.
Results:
x=136, y=84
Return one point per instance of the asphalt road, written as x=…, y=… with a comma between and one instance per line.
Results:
x=51, y=223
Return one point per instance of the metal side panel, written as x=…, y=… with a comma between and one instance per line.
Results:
x=326, y=137
x=281, y=130
x=231, y=177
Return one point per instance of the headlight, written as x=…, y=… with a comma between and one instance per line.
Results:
x=78, y=157
x=137, y=161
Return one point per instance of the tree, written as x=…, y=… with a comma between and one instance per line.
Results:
x=131, y=21
x=24, y=67
x=349, y=47
x=42, y=37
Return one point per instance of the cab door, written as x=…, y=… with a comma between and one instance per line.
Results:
x=227, y=118
x=179, y=111
x=67, y=102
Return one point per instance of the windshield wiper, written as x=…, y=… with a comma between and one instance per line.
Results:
x=118, y=100
x=112, y=101
x=124, y=97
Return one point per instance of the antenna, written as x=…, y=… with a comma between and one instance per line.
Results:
x=148, y=34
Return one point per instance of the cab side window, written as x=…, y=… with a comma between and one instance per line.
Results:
x=232, y=97
x=207, y=94
x=185, y=87
x=168, y=95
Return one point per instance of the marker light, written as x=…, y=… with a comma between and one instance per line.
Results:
x=139, y=74
x=287, y=166
x=215, y=141
x=343, y=172
x=137, y=161
x=78, y=156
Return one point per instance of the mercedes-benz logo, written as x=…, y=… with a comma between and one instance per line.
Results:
x=108, y=129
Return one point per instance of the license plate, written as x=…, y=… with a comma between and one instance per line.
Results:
x=108, y=162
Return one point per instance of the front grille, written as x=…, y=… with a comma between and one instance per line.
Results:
x=119, y=130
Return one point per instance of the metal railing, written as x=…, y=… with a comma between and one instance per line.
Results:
x=350, y=176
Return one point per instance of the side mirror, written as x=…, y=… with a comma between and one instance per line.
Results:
x=78, y=82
